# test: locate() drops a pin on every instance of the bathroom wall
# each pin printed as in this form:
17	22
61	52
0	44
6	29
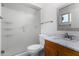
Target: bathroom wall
0	28
22	30
50	14
75	15
41	5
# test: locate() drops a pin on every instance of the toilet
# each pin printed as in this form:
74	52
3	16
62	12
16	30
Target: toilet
34	49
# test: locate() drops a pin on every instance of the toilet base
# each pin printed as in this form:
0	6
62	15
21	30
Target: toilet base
31	53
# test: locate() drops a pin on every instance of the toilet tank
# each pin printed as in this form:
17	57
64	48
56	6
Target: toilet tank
42	39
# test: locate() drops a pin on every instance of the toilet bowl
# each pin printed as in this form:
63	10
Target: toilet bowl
34	49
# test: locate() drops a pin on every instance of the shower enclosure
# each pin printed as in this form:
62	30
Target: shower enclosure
20	27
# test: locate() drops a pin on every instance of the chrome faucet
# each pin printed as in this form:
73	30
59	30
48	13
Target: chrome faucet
68	36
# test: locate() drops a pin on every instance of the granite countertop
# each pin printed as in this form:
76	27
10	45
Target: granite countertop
73	44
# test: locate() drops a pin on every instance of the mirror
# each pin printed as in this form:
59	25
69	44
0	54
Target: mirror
68	17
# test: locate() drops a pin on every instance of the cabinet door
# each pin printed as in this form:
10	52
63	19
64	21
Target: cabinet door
50	51
50	48
67	52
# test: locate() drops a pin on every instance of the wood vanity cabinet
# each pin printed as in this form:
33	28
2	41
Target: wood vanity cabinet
48	49
54	49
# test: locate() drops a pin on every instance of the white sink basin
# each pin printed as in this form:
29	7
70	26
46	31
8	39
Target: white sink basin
73	40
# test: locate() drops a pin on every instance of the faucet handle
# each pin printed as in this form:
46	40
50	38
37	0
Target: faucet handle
71	37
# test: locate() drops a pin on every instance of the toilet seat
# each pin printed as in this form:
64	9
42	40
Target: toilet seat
35	47
33	50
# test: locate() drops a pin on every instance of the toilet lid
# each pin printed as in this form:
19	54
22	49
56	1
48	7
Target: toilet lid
34	47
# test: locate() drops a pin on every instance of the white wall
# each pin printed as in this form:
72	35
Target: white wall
0	28
41	5
18	37
50	13
75	18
